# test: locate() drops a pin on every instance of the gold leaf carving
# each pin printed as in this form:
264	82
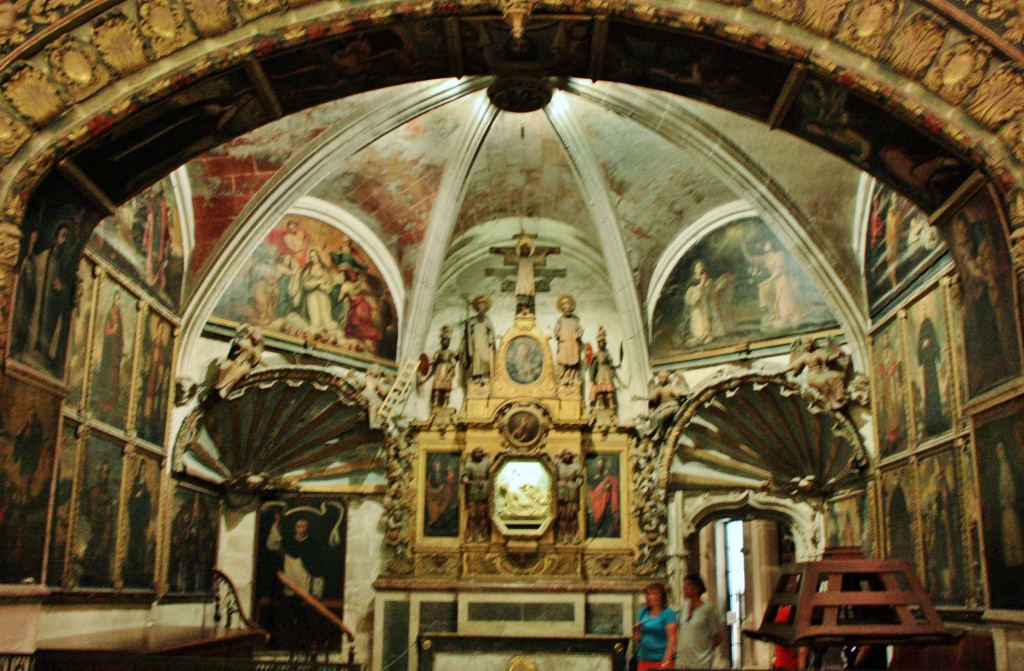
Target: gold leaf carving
10	245
33	95
120	43
163	23
868	23
13	134
14	27
914	44
609	565
1013	135
999	97
78	68
211	17
437	564
821	16
251	9
48	11
787	10
958	70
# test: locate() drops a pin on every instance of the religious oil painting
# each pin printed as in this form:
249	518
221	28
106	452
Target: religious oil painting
192	541
441	495
976	236
999	444
143	239
142	508
113	346
849	523
300	546
604	516
953	291
99	494
828	115
54	234
523	428
67	458
737	285
311	281
931	367
890	389
77	357
28	445
899	505
154	379
942	528
900	245
524	360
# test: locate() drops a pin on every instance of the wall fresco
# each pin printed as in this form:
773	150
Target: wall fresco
737	285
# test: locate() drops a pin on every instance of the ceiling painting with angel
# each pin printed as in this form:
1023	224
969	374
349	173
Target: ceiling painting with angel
738	284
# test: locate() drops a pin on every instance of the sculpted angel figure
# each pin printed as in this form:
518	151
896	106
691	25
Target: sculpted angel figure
665	394
245	353
826	369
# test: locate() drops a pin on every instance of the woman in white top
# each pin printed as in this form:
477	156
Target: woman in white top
700	628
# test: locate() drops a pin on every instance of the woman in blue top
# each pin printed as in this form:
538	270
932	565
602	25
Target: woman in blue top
655	630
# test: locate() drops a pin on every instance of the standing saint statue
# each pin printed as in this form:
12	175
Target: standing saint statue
526	256
478	343
442	368
569	336
476	473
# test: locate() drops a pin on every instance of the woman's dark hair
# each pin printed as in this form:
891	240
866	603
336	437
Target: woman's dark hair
660	589
697	582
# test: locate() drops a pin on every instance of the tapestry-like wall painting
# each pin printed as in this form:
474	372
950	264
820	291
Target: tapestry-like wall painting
28	444
95	535
999	438
142	508
839	121
899	513
890	389
81	318
737	285
309	280
931	367
849	523
67	459
604	514
113	346
54	234
192	542
976	235
154	391
304	538
143	240
441	495
942	529
900	245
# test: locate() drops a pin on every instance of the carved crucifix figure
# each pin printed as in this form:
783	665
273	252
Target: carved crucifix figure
526	256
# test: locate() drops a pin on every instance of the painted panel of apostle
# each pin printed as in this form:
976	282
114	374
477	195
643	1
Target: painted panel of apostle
192	543
143	240
441	495
942	529
310	280
113	348
95	532
900	503
890	395
999	440
604	513
739	284
142	508
28	443
931	367
67	454
900	245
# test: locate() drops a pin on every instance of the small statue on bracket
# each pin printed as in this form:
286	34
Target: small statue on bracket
569	337
477	351
475	476
602	369
244	354
567	493
666	393
441	367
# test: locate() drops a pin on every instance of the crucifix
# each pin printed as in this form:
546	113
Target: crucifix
527	256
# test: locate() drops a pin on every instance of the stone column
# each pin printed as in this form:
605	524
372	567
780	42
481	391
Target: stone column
10	246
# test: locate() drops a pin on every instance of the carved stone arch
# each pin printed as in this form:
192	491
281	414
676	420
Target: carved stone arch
802	518
305	423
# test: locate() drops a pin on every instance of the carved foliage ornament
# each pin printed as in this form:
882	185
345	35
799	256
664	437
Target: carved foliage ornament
787	10
211	17
32	94
915	43
163	24
13	134
119	41
1013	135
998	98
14	27
77	67
821	16
868	23
251	9
958	70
